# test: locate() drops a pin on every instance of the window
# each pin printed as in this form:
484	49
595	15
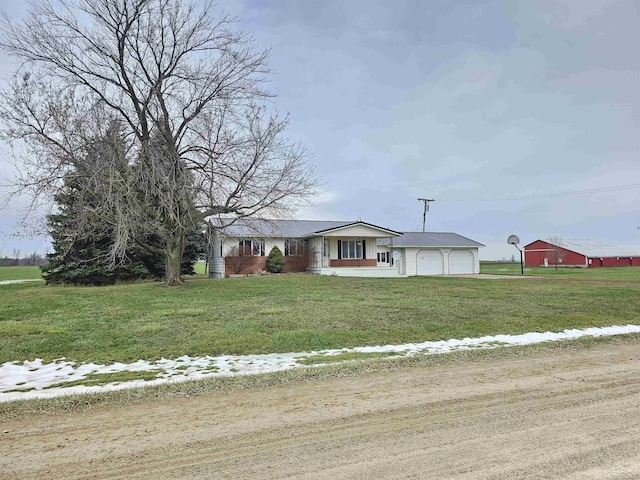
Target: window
293	247
351	249
251	247
383	257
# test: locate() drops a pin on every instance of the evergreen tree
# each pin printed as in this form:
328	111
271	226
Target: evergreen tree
275	261
81	250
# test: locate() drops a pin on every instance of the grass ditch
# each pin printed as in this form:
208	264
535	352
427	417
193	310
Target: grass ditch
137	396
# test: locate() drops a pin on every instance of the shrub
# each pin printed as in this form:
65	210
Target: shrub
275	261
239	259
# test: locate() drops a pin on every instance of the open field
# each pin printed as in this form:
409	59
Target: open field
199	267
520	413
608	273
20	273
290	313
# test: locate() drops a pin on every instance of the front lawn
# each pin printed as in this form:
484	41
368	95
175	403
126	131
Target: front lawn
290	313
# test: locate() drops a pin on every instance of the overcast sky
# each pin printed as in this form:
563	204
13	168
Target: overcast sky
516	117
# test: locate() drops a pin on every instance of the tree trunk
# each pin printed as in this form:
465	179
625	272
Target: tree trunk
172	256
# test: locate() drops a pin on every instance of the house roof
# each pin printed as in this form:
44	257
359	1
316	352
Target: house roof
594	249
383	230
430	239
272	228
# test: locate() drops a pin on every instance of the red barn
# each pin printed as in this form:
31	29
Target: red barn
579	253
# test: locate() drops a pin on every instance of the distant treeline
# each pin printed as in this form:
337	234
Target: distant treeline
35	259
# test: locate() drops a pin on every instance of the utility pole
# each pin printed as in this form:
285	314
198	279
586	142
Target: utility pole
426	202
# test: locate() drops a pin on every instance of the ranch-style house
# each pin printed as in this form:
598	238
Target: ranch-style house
344	248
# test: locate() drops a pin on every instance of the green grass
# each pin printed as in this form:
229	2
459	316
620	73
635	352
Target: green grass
289	313
199	267
599	274
104	378
20	273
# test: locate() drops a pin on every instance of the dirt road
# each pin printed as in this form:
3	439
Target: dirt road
574	414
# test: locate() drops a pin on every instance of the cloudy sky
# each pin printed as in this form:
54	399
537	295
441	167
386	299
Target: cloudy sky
516	117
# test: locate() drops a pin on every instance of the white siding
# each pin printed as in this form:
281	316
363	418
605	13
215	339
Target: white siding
357	231
269	243
409	260
227	245
371	248
333	248
410	257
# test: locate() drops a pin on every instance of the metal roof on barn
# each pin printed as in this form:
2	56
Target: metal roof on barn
594	249
430	239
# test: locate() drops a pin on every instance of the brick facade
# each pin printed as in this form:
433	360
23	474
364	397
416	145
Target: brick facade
292	264
354	262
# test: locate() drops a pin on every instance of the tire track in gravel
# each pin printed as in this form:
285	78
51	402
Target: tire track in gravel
570	415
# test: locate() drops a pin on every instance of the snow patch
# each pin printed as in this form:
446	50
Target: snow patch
33	379
12	282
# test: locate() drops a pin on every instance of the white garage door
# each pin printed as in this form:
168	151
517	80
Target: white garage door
461	261
429	262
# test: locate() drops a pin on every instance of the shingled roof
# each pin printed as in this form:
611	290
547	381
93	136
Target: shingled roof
430	239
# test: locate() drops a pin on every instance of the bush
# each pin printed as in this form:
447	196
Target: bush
240	259
275	261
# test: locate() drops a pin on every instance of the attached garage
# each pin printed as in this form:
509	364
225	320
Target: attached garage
433	253
429	262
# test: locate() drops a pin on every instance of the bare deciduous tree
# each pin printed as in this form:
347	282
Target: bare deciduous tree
556	251
186	92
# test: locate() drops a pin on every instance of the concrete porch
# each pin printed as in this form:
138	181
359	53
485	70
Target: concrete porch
371	272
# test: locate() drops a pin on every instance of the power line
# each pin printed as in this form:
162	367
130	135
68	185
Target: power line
549	194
